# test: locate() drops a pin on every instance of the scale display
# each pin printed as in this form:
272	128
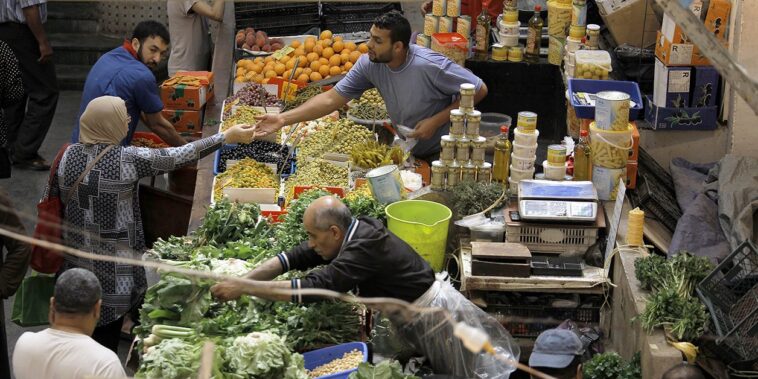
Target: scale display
557	210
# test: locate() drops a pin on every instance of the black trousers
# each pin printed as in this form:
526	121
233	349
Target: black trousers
109	335
29	120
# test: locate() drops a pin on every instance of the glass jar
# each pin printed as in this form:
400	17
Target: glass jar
593	37
457	123
473	120
468	172
516	54
478	150
484	173
468	91
453	174
447	154
438	175
462	150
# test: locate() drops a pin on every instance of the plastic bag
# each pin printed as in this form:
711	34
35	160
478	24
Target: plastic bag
431	334
403	140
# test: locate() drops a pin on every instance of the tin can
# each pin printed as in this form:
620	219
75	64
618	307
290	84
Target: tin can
439	7
438	175
468	172
556	154
431	24
612	110
510	4
606	181
527	121
462	150
484	173
579	13
473	121
516	54
555	50
463	26
453	8
499	52
457	123
446	25
453	174
593	37
478	150
577	31
423	40
447	154
468	91
385	184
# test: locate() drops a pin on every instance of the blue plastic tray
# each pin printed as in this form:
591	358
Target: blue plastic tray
323	356
595	86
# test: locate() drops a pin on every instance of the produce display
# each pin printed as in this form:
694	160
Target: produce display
316	58
303	94
316	172
611	366
264	355
591	71
369	111
247	173
253	95
383	370
371	96
243	114
260	151
473	197
361	202
250	39
349	361
334	136
373	154
147	142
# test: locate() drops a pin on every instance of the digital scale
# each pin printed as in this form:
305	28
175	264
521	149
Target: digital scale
548	200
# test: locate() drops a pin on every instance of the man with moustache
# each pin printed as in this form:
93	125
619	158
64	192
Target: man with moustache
126	72
419	86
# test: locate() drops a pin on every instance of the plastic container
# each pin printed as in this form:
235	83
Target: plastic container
553	239
323	356
489	127
452	45
593	64
513	186
554	172
595	86
558	18
488	233
510	16
610	148
524	150
606	181
522	163
386	184
523	138
508	28
423	225
424	40
555	49
573	45
509	41
520	175
499	52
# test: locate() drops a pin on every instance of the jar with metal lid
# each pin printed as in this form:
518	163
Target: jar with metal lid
516	54
463	150
453	174
438	175
457	123
484	172
468	91
468	172
593	37
478	150
447	154
473	120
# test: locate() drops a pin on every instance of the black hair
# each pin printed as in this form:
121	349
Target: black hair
568	372
76	291
151	28
397	24
683	371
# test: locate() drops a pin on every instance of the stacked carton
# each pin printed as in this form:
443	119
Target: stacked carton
184	97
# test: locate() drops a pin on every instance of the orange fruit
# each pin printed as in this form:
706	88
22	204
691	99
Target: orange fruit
315	76
338	46
268	59
323	61
240	71
303	62
324	70
239	79
326	34
315	65
309	45
307	71
363	48
318	49
354	56
286	75
335	70
348	66
258	78
270	74
290	64
298	71
335	60
258	60
327	42
250	75
350	45
295	44
300	52
312	57
279	68
285	59
311	39
258	68
344	57
265	81
338	38
303	78
328	52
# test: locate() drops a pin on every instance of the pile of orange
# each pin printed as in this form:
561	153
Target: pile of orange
316	59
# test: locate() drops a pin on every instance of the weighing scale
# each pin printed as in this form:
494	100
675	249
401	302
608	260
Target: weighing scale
548	200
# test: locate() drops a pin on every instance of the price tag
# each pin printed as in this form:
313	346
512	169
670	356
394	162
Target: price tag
289	90
281	53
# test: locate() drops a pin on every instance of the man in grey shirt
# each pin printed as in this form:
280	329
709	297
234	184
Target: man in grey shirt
190	41
419	86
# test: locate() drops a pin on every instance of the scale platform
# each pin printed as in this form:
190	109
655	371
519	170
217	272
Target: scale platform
545	200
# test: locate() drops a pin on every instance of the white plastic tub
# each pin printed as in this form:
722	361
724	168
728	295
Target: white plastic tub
524	150
526	139
522	163
554	172
520	175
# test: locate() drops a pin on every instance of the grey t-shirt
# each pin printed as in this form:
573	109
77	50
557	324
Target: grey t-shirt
425	85
190	42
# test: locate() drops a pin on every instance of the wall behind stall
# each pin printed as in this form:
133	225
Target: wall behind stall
743	122
695	146
118	18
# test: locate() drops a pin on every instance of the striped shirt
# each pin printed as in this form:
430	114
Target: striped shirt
13	10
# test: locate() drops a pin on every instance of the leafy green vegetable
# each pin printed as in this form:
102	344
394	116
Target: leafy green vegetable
175	299
633	370
469	198
603	366
362	203
683	316
383	370
265	356
683	271
291	232
227	221
171	359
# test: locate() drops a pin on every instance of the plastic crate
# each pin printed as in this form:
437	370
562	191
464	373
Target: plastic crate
595	86
149	136
731	294
530	321
323	356
552	239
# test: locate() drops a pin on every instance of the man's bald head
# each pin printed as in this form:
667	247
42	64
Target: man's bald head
327	211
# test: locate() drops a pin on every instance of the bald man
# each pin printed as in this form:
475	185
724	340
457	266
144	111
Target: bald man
360	254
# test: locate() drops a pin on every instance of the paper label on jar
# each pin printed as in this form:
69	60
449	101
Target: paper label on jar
531	41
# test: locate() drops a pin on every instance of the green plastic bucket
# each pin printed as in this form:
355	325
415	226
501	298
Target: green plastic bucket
423	225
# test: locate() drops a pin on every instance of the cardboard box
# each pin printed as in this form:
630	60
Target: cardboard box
185	121
186	96
717	18
672	86
635	142
678	54
705	87
206	77
631	174
672	31
662	118
630	21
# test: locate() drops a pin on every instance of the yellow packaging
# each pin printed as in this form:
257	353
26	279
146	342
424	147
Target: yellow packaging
423	40
516	54
510	16
453	8
577	31
608	148
558	18
555	50
446	25
499	52
439	7
431	24
463	26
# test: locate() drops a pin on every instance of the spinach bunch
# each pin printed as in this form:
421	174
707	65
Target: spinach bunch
383	370
469	198
611	366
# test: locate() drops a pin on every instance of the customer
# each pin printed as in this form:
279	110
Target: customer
21	27
557	353
419	86
65	349
11	92
188	24
683	371
126	72
12	270
103	213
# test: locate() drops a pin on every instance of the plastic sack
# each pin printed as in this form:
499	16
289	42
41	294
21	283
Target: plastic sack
403	140
431	334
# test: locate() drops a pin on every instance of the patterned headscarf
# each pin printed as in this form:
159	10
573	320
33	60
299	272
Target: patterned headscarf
104	121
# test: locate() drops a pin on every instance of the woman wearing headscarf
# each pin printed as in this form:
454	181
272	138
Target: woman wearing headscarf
102	214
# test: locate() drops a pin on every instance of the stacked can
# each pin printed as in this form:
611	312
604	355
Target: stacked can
445	18
576	33
559	15
524	149
610	142
554	166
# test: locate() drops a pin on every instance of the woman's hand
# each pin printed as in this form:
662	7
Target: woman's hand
240	133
